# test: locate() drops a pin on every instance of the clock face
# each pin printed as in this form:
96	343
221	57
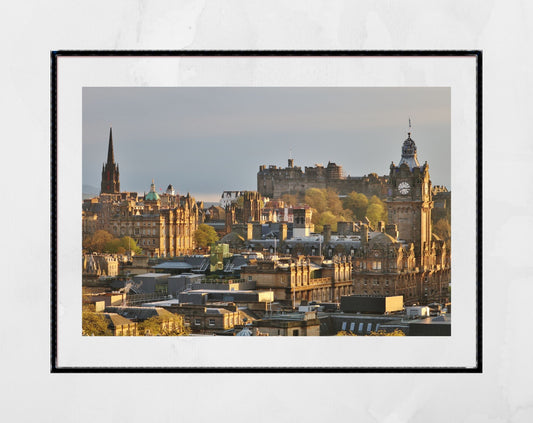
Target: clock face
404	188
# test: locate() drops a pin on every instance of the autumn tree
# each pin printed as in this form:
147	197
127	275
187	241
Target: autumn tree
120	246
381	332
205	235
97	241
164	326
94	324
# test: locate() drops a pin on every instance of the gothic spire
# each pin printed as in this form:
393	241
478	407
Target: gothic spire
110	154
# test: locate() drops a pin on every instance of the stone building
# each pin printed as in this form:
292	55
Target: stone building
120	326
161	225
406	258
95	265
294	280
274	182
292	324
158	231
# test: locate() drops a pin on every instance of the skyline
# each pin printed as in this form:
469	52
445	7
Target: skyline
164	133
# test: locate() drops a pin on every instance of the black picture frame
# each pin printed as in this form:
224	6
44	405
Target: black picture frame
247	53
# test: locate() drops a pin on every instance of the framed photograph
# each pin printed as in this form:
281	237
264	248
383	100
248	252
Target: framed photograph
266	211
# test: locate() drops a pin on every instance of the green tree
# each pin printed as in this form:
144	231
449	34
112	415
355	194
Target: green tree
120	246
334	204
94	324
97	241
129	244
316	199
357	203
163	326
205	235
328	218
114	247
376	212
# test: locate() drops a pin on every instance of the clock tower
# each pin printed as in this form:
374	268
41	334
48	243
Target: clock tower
409	202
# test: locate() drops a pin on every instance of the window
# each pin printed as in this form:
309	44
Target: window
343	327
352	326
249	278
197	322
369	327
360	329
211	322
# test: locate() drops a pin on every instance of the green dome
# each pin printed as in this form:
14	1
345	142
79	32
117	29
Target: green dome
152	195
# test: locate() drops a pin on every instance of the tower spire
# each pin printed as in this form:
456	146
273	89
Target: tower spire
110	153
110	176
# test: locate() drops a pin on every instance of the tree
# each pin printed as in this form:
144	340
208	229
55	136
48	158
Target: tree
381	332
129	244
376	212
94	324
97	241
328	218
357	203
205	235
164	326
334	204
120	246
114	247
316	199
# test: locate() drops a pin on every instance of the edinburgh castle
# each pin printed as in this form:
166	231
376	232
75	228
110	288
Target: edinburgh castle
274	182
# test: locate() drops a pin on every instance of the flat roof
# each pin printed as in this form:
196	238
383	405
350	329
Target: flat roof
152	275
173	265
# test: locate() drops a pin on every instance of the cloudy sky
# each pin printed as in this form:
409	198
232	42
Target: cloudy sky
207	140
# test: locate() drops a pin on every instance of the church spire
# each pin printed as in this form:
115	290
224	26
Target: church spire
110	176
110	153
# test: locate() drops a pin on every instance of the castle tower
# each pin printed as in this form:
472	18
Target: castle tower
409	202
110	176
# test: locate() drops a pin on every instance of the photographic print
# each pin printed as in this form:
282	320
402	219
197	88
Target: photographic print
311	197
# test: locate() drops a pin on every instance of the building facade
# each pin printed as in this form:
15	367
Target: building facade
273	181
158	231
294	280
405	258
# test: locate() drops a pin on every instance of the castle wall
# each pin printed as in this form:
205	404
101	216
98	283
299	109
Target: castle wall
274	182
